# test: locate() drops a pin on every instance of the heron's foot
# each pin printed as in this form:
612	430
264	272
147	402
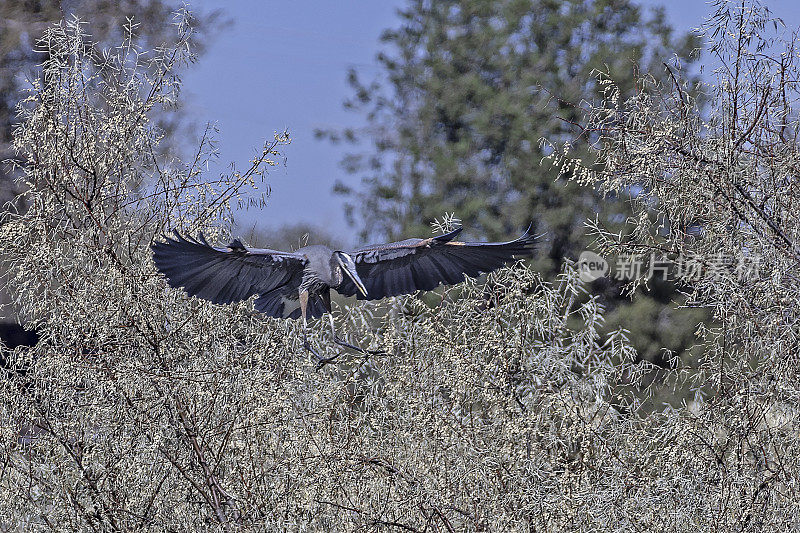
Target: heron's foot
342	342
322	361
311	349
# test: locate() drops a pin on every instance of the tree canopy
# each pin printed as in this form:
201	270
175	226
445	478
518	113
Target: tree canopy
22	24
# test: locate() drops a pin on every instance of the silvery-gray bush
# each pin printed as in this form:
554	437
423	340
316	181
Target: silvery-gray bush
499	409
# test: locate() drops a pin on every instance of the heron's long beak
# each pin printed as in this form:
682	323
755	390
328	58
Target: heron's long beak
357	280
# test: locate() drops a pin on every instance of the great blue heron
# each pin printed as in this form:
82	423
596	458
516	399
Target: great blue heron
297	284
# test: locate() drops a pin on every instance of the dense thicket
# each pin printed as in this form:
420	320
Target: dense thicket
22	23
503	408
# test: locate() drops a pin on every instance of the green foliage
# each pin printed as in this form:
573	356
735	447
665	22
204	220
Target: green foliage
661	331
720	187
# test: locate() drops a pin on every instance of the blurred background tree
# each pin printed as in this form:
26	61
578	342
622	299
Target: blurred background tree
468	90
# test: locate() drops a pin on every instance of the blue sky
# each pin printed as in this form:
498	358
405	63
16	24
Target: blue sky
282	65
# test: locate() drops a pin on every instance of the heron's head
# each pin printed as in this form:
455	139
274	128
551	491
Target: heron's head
349	267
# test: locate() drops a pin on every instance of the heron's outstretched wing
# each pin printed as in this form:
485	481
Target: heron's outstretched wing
422	264
225	275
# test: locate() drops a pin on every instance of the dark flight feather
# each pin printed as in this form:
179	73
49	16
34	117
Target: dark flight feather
422	264
226	275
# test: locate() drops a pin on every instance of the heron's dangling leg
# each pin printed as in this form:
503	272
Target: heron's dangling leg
324	361
364	351
326	300
341	342
303	309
